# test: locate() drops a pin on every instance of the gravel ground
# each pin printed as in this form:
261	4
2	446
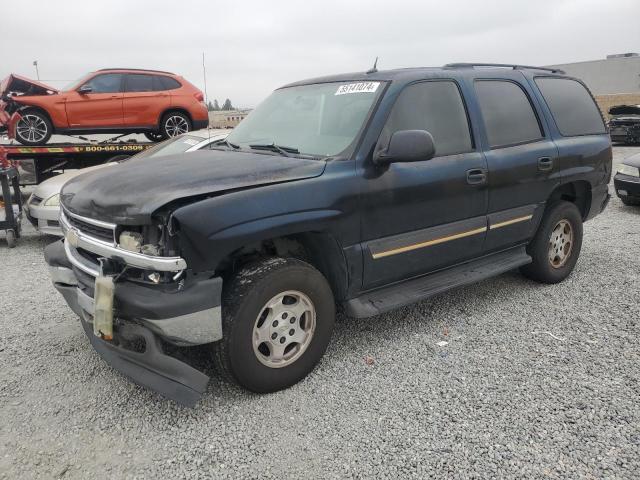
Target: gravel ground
532	381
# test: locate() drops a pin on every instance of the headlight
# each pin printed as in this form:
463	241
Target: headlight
131	241
628	170
54	200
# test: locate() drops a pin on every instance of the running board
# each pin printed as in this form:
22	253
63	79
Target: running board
410	291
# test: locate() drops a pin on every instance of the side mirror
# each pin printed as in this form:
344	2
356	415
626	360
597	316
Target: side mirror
407	146
84	89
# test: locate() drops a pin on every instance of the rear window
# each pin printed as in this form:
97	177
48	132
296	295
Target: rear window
573	109
507	113
165	83
139	83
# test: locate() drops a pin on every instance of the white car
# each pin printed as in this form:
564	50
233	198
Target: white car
43	207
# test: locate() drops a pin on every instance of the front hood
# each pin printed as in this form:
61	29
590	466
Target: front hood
633	160
54	185
625	110
16	84
128	193
625	118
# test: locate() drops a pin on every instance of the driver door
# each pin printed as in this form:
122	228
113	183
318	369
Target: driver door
426	215
101	107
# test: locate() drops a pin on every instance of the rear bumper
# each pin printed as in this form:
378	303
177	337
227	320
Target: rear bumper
627	186
600	197
200	124
146	316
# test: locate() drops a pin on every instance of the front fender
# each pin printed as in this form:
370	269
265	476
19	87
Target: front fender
211	229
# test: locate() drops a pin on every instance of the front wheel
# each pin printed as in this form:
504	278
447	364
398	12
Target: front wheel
34	128
174	124
556	245
278	316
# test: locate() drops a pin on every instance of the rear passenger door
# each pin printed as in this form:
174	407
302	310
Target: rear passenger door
521	158
144	100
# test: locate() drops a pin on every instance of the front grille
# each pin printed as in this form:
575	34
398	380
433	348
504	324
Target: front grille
94	231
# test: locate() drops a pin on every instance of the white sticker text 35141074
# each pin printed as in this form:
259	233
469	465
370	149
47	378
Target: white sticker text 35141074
361	87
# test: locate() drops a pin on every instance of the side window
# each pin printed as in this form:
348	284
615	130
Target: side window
107	83
139	83
437	107
572	107
165	83
507	113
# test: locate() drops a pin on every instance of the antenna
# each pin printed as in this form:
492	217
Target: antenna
206	97
373	69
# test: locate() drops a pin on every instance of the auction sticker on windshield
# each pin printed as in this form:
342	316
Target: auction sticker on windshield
361	87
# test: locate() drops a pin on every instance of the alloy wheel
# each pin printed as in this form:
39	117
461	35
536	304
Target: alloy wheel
560	244
284	329
176	125
32	128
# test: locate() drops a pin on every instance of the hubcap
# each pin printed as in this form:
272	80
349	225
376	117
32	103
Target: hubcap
31	128
176	125
284	329
560	244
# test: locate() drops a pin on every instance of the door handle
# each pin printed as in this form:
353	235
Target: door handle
545	164
476	176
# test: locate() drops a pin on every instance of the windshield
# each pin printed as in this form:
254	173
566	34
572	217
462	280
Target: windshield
171	146
75	83
321	119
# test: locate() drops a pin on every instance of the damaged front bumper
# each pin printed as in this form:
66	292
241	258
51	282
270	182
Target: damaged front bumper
145	316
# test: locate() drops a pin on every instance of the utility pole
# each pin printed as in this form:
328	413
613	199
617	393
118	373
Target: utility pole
35	64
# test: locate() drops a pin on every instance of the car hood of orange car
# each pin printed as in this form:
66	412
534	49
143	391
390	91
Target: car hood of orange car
24	86
130	192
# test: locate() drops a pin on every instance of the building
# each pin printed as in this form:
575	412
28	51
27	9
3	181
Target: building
227	118
614	80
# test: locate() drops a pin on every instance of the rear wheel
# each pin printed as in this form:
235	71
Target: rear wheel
556	245
34	128
174	124
278	317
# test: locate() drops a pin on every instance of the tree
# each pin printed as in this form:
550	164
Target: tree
227	105
210	106
216	105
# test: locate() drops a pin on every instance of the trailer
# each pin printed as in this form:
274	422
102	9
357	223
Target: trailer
36	164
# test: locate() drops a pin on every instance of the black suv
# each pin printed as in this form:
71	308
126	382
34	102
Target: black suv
366	190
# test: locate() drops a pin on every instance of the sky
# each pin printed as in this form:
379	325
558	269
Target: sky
252	47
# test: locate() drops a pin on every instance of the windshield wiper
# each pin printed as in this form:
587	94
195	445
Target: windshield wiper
224	142
281	149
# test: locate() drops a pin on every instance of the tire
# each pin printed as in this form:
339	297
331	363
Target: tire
174	124
556	246
11	238
34	128
154	136
249	362
631	202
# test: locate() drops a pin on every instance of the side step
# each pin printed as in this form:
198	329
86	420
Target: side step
410	291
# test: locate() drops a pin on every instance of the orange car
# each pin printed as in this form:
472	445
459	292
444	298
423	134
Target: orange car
114	100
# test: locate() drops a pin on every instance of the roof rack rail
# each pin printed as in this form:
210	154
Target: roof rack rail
504	65
136	70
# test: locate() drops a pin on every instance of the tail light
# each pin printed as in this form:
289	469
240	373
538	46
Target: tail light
199	96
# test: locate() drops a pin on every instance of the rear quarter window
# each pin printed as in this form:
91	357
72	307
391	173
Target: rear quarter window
571	105
165	83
